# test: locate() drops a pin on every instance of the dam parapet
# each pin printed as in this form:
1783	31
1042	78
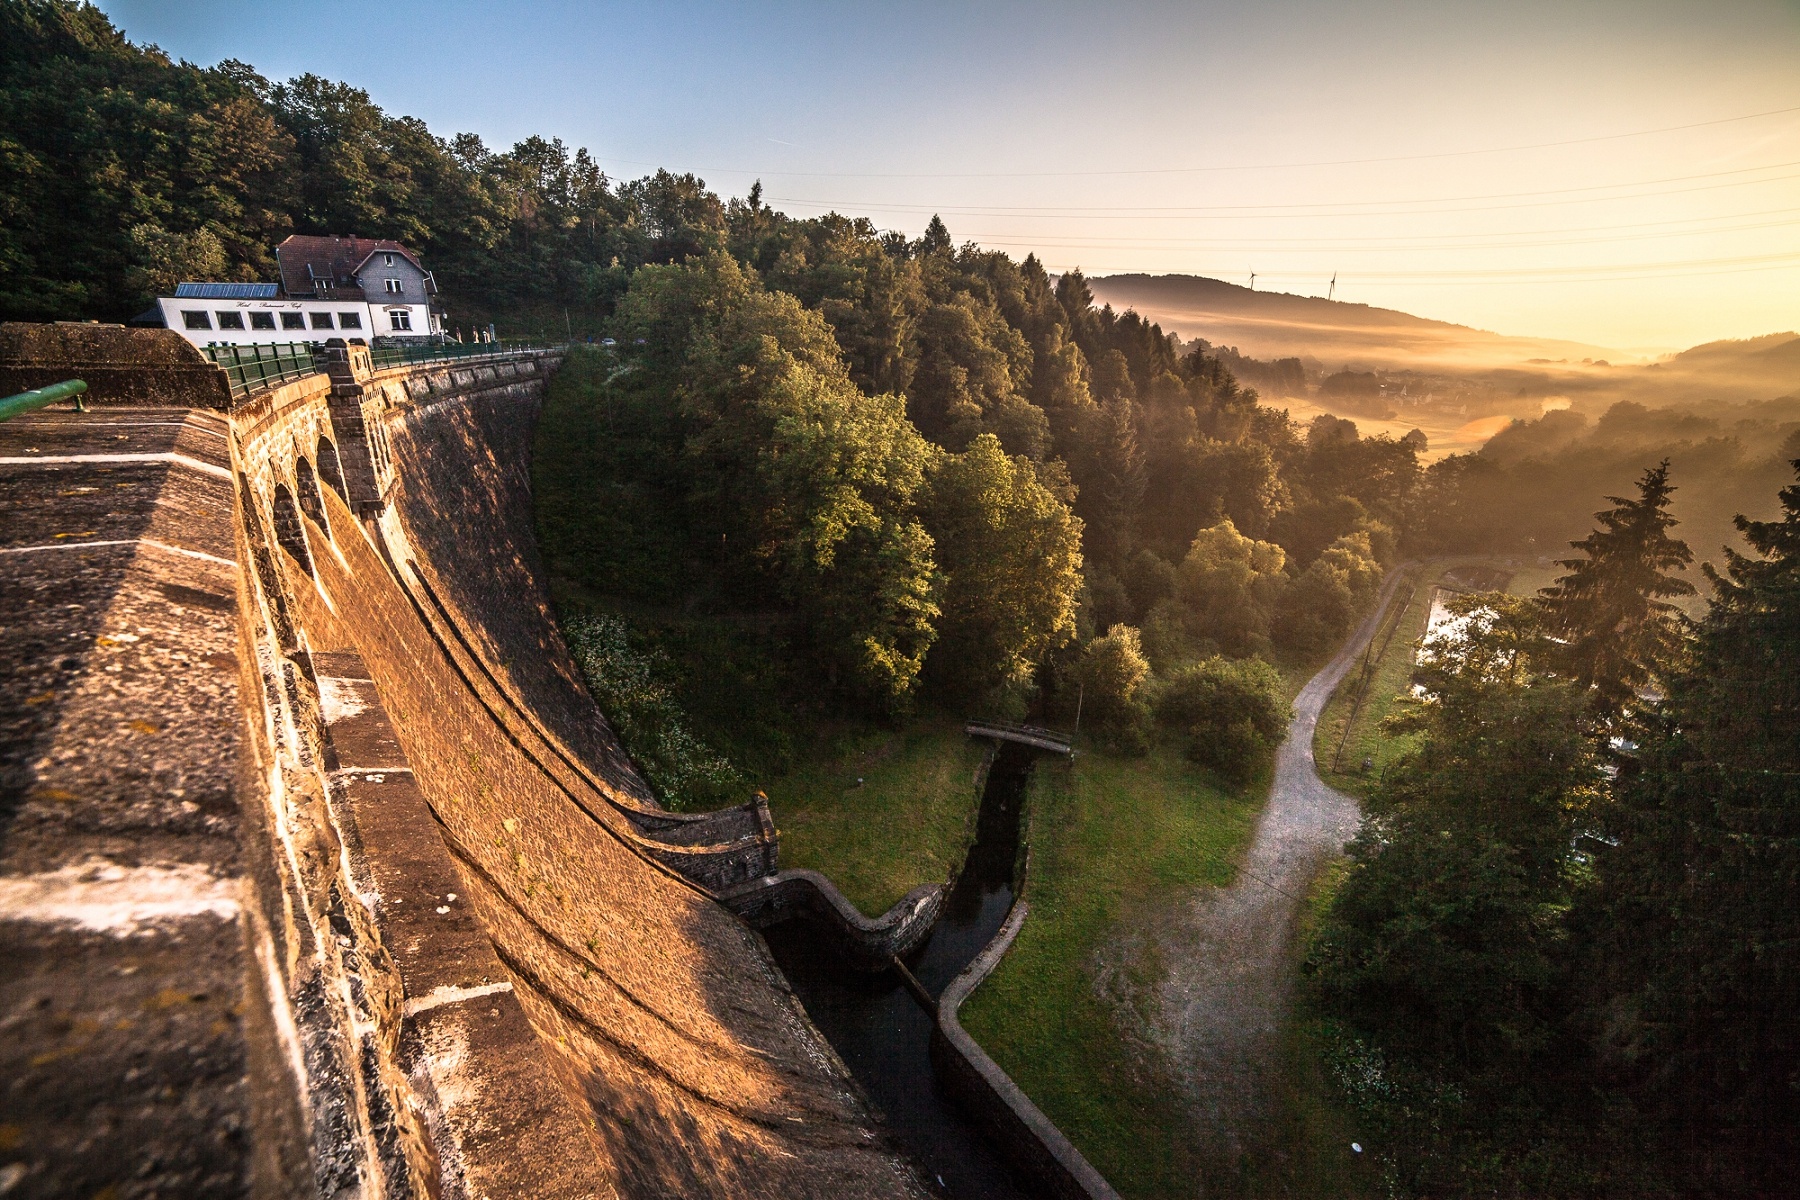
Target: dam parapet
319	871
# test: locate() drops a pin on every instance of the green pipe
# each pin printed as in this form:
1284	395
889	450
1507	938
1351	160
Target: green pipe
25	402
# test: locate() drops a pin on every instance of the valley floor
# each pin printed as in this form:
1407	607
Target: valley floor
881	811
1072	1014
1351	746
1147	1006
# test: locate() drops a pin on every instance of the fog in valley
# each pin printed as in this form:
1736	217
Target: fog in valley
1131	600
1541	430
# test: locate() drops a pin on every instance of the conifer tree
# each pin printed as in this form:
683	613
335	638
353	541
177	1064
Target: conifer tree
936	238
1697	947
1744	688
1619	631
1109	471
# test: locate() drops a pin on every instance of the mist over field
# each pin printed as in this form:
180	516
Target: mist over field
1554	425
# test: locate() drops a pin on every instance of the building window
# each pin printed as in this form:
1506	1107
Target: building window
262	320
323	285
195	320
387	260
401	318
293	320
349	320
231	320
321	320
395	286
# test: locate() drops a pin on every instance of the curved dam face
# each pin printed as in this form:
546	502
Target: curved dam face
326	875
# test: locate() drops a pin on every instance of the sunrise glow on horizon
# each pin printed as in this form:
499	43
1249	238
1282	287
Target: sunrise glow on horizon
1621	175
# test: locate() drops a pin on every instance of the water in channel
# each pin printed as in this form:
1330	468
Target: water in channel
883	1035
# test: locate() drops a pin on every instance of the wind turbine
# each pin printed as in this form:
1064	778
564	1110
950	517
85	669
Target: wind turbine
1253	281
1329	294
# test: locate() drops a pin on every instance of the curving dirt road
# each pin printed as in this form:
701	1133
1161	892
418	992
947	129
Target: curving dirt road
1228	953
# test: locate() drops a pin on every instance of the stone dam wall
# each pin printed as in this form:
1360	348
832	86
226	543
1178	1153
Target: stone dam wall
319	872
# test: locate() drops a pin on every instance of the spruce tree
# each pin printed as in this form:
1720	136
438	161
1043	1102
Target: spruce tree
936	238
1744	688
1697	948
1619	631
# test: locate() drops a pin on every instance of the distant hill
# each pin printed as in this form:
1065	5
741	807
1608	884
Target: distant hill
1330	335
1774	355
1281	325
1760	368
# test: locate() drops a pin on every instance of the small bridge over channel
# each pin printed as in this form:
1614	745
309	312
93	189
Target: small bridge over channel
1025	735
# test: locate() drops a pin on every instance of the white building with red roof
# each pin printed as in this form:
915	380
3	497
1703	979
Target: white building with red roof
330	287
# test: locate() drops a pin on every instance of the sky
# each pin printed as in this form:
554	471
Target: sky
1623	174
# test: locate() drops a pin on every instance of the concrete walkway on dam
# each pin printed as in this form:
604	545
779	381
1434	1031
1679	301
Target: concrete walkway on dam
1229	951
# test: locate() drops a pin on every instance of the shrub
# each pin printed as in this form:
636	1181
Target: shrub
1112	670
1168	637
1113	667
630	686
1232	711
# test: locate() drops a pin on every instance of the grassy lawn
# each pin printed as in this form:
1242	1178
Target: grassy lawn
1369	691
1113	841
908	822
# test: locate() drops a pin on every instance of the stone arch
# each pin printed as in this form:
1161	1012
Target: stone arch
289	532
312	503
274	593
331	468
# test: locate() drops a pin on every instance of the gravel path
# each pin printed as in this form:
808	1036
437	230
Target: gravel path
1228	952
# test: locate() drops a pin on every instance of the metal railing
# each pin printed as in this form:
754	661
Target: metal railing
42	397
402	353
257	368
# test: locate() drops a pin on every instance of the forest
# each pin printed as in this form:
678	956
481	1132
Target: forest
878	473
1562	951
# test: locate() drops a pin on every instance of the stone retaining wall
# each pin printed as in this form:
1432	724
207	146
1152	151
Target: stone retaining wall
321	873
1029	1138
137	367
868	944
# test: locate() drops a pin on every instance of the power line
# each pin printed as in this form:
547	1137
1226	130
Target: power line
1789	262
1598	270
1279	210
1373	244
1608	227
1248	213
1337	162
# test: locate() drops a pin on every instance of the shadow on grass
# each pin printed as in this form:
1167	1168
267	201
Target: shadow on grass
1068	1013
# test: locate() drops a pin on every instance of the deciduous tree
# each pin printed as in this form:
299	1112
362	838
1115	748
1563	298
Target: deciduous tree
1011	554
